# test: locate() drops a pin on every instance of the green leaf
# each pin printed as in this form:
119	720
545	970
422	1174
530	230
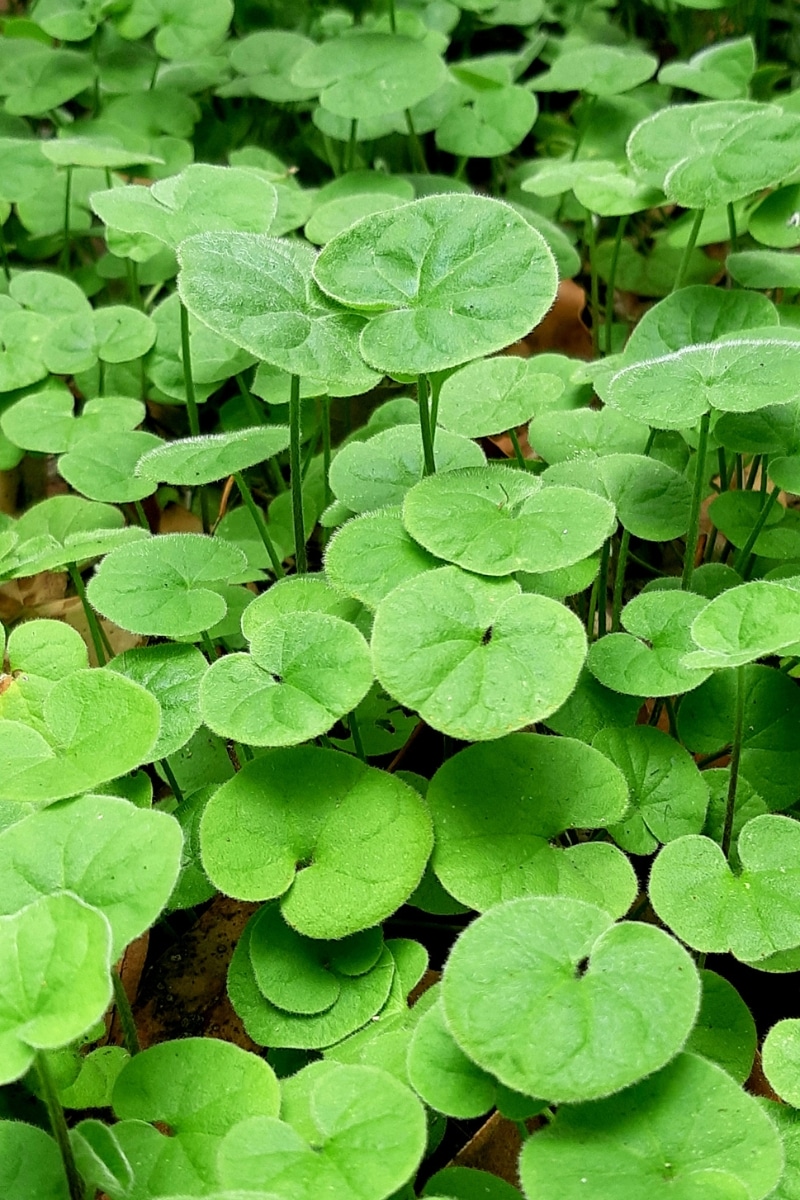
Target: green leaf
752	913
557	436
450	278
30	1164
490	124
46	421
214	358
494	394
371	554
599	70
725	1031
38	654
297	594
304	671
166	586
266	59
378	473
258	292
688	1132
93	1085
111	335
183	28
97	726
674	390
102	465
442	1075
506	521
551	1024
745	623
343	844
781	1060
702	154
720	72
172	674
773	221
474	657
468	1183
99	152
360	998
486	852
651	498
668	794
592	707
120	859
197	460
40	78
764	268
697	314
358	1132
362	74
199	199
649	659
55	956
735	513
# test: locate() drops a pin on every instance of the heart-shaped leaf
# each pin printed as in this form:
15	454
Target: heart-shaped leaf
557	436
30	1164
172	674
488	851
506	521
372	554
688	1132
598	70
101	465
343	844
114	334
720	72
494	394
55	956
751	913
552	1024
442	1075
651	498
475	657
649	660
45	421
451	278
166	586
745	623
120	859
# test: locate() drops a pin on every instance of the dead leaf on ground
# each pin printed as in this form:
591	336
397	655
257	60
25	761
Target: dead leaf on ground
496	1147
22	598
71	611
177	519
563	330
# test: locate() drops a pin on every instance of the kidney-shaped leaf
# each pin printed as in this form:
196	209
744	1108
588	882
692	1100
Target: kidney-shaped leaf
498	520
451	277
120	859
475	657
751	913
343	844
166	586
651	498
372	554
30	1164
192	461
55	956
557	1001
496	809
745	623
495	394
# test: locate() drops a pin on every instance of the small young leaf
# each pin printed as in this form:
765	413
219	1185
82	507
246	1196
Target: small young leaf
372	554
781	1060
193	461
494	394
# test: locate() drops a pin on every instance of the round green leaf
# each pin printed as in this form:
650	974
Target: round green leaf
266	59
304	671
688	1133
120	859
343	211
55	957
296	594
442	1075
199	199
486	851
773	222
649	659
557	436
258	292
694	315
725	1031
720	72
196	460
498	520
751	914
651	498
450	277
474	657
45	421
550	1022
102	465
378	473
780	1057
95	726
30	1164
490	124
166	586
343	844
113	335
360	997
675	390
172	674
372	554
361	1133
598	70
668	794
362	73
764	268
745	623
494	394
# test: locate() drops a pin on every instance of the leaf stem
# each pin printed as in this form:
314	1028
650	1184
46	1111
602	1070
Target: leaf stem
58	1124
171	780
125	1014
518	455
594	295
325	405
355	733
740	562
191	403
141	515
732	234
415	145
619	579
697	499
736	754
296	471
260	524
425	425
612	275
102	647
683	266
65	249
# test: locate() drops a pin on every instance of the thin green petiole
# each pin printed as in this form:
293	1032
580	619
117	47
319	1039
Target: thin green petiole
65	250
325	405
740	562
141	515
518	455
172	781
732	234
355	733
58	1124
612	275
125	1014
688	249
736	754
619	579
425	425
697	499
191	403
296	472
208	646
417	152
102	646
260	524
594	295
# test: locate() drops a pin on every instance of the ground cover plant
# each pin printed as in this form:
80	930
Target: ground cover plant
400	596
